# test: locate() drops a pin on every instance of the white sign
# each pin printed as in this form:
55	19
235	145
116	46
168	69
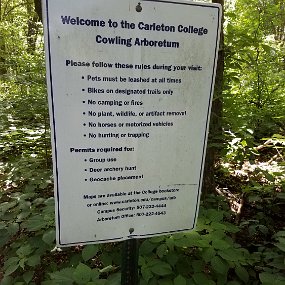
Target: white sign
130	87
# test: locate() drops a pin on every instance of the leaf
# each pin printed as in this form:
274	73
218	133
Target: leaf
24	250
4	237
242	273
208	253
161	268
220	244
147	247
11	268
198	265
157	239
4	207
214	215
219	265
161	250
180	280
49	237
172	258
7	280
146	273
10	261
13	228
281	246
271	279
95	274
202	279
165	281
183	242
28	276
82	274
89	251
230	254
114	279
35	223
64	275
34	260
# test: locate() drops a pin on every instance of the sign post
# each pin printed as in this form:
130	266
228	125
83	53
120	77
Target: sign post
129	269
130	87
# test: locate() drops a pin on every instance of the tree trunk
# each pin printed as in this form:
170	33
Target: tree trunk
38	9
32	26
215	128
3	68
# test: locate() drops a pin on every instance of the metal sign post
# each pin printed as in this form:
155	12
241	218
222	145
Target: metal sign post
130	255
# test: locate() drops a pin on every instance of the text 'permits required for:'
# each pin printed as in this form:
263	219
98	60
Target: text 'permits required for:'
130	87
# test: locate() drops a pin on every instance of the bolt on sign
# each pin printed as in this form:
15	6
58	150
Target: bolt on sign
130	86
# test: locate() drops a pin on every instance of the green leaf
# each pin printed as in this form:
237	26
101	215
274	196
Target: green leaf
13	228
242	273
208	253
7	280
4	237
10	261
147	247
214	215
180	280
161	250
146	273
202	279
11	268
34	260
82	274
4	207
24	250
198	265
157	239
165	281
98	282
22	262
89	251
281	246
161	268
49	237
219	265
272	279
95	274
64	275
28	276
114	279
230	254
220	244
172	258
35	223
202	243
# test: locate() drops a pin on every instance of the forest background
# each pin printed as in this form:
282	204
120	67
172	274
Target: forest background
240	236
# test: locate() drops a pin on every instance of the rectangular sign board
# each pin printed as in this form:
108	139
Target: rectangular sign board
130	87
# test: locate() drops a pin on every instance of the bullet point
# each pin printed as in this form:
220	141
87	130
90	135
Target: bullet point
83	102
84	125
84	113
83	89
82	77
84	135
85	169
85	179
85	159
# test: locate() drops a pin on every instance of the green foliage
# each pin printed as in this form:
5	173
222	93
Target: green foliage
254	71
